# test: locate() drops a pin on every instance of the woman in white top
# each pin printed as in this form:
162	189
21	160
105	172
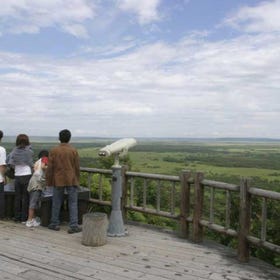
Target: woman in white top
2	177
21	158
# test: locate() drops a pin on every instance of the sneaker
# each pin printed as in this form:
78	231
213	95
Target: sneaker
74	230
36	223
32	223
53	227
29	223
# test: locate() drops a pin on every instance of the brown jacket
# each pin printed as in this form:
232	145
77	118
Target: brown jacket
63	166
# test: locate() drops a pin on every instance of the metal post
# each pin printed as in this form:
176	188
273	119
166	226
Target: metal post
116	225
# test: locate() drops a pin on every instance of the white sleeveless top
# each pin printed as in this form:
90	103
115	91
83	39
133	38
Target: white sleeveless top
22	170
2	161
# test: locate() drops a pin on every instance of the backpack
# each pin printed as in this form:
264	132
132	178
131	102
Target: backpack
10	171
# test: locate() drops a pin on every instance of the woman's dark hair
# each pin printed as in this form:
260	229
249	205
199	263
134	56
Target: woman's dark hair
64	136
43	153
1	134
22	141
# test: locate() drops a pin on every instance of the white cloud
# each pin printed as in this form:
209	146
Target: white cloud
30	16
76	30
146	10
186	88
75	17
191	87
263	17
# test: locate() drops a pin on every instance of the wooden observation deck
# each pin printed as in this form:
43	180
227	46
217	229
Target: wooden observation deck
146	254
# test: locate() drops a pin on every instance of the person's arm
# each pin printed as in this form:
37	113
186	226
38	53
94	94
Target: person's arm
77	166
50	171
3	158
2	171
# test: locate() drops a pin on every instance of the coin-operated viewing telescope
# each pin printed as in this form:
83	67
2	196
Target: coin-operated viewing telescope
118	148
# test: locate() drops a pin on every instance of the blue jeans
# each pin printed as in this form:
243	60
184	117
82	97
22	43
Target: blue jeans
2	201
57	200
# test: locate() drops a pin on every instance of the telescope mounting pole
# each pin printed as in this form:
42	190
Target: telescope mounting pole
116	225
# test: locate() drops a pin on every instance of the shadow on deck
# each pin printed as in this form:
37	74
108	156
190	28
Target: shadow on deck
144	254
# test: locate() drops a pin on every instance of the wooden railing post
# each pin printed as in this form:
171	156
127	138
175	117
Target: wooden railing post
184	204
124	192
198	208
244	221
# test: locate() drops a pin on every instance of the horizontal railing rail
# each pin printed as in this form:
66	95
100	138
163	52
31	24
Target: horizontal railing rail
190	200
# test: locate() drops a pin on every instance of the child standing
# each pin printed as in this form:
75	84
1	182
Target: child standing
36	184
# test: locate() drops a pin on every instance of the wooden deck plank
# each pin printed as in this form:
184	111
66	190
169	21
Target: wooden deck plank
24	269
8	276
122	254
141	264
143	254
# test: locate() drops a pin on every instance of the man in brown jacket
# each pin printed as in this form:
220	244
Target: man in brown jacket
63	173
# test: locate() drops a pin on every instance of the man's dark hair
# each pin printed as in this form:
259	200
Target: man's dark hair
64	136
1	134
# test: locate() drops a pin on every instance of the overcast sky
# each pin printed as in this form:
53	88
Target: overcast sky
149	68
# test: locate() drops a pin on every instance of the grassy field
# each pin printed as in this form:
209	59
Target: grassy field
240	158
158	163
218	160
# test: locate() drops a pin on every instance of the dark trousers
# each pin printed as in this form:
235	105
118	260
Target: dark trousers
21	197
2	201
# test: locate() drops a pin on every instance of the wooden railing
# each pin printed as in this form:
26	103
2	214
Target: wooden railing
192	201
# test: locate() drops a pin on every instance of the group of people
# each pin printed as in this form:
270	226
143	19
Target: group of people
58	168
